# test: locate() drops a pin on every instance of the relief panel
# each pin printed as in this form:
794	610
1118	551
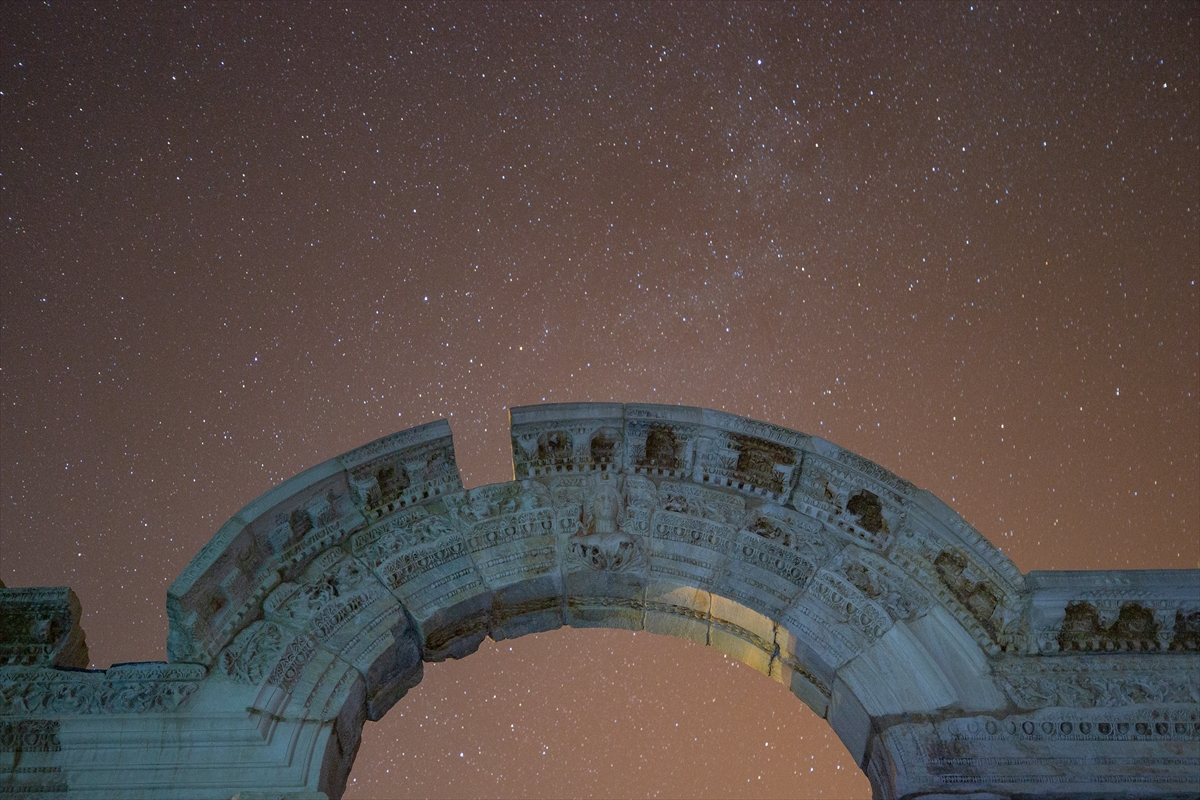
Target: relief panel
969	589
858	508
509	530
745	463
279	540
763	573
148	688
693	530
421	559
40	626
397	480
1087	681
660	448
603	556
573	437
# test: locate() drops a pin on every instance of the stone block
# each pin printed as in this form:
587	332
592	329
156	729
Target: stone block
596	599
679	611
742	633
661	441
849	720
566	439
750	584
604	578
531	606
509	531
1114	611
960	659
897	675
271	539
692	532
812	629
1085	753
805	685
315	688
40	627
403	469
431	577
456	631
391	677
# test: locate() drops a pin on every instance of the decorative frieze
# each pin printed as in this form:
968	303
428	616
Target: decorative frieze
941	666
29	736
1114	611
40	626
1085	681
123	689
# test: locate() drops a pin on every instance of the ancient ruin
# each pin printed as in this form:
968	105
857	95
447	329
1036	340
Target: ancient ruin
944	670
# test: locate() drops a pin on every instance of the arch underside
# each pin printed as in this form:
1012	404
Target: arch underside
941	667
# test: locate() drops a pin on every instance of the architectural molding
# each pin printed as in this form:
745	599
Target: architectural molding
943	668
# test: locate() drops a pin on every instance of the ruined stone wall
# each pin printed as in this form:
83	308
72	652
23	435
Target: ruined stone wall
943	669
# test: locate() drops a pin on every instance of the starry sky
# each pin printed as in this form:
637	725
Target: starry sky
236	240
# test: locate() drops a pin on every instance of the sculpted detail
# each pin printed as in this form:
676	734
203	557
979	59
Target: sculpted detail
942	668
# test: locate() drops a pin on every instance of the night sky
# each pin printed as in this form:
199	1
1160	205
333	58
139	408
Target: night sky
960	240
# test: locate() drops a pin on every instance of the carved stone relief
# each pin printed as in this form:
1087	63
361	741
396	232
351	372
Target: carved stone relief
603	539
29	736
1133	629
396	481
1186	632
41	626
880	582
251	655
876	604
124	689
855	506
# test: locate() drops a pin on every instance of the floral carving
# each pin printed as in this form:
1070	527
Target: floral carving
554	446
252	652
29	736
1087	690
612	553
759	462
148	688
875	587
663	448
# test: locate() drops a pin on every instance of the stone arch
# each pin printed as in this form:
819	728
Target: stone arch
865	596
941	667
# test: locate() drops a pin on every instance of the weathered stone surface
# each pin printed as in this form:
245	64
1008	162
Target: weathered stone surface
944	670
40	627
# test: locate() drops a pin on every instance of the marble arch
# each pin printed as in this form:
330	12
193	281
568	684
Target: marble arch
944	670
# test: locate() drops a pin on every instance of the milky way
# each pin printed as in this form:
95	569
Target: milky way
960	240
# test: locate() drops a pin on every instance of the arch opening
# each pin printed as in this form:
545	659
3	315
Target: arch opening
875	604
600	712
781	550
